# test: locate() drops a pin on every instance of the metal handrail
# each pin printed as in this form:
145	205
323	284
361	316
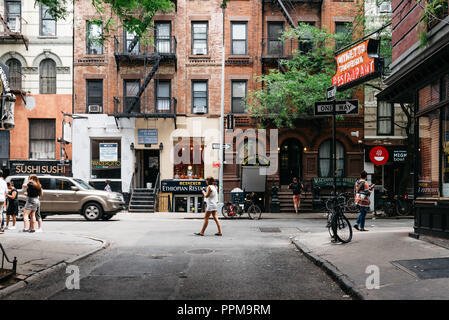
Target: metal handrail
156	192
4	255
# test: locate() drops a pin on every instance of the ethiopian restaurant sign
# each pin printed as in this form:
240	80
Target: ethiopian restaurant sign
358	64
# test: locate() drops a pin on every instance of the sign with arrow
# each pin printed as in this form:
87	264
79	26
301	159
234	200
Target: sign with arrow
225	146
342	107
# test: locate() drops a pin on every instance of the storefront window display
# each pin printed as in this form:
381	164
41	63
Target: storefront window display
105	159
429	154
189	163
445	151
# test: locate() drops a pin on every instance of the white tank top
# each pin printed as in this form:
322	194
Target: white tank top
212	199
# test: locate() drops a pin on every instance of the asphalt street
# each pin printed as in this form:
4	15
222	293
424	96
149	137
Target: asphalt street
158	257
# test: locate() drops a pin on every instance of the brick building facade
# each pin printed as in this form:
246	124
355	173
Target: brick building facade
179	109
420	77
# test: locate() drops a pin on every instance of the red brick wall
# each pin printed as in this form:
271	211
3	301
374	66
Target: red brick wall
405	19
48	106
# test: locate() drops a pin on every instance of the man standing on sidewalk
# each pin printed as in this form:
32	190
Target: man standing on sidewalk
362	192
3	191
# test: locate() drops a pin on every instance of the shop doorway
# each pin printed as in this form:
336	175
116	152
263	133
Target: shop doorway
188	203
290	161
147	168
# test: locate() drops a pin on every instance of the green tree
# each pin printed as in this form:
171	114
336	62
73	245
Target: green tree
291	92
135	15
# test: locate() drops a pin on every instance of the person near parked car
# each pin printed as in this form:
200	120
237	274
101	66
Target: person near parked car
34	191
38	214
107	187
13	206
3	192
297	188
211	196
362	192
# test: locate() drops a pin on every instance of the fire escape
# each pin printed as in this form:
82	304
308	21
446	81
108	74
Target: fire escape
147	56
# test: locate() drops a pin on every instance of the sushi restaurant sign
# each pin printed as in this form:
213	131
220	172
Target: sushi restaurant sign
40	167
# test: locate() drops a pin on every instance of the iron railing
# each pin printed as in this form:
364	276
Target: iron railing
162	106
5	257
276	48
164	46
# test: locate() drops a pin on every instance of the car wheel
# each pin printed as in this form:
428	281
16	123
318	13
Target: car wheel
20	211
92	211
106	217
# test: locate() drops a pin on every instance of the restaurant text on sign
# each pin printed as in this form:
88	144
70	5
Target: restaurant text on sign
357	64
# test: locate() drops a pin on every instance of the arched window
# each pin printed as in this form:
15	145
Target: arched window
47	70
325	159
15	73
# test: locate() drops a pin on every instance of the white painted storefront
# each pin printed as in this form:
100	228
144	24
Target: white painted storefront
102	126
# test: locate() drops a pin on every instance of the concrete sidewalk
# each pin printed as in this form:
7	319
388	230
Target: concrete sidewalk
37	253
383	247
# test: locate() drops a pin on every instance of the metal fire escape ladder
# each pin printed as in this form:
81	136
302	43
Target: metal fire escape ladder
145	84
286	14
16	35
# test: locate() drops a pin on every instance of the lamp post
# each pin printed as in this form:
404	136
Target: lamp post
220	153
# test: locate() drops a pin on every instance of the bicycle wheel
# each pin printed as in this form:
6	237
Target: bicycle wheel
403	207
228	211
329	224
341	227
351	206
254	212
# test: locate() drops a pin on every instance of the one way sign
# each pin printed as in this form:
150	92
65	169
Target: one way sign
342	107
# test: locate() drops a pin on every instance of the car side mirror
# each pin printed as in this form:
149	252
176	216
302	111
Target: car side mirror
74	188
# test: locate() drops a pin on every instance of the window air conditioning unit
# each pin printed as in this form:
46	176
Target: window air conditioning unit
385	7
95	108
199	51
199	109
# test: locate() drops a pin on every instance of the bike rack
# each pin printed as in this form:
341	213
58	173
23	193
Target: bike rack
14	263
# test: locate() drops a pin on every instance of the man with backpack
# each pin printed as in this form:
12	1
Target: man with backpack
362	192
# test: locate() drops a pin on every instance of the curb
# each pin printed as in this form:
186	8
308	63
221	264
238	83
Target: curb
340	278
35	277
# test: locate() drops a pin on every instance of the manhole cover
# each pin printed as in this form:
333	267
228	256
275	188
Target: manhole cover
426	268
270	230
200	251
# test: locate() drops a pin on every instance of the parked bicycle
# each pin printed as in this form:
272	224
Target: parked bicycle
338	225
393	205
237	209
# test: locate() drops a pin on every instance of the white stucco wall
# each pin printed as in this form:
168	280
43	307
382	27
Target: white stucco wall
102	126
59	48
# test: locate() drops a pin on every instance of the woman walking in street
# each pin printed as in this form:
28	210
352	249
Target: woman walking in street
13	206
297	187
362	192
34	191
210	194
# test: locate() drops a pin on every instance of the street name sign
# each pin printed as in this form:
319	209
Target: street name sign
342	107
217	146
331	92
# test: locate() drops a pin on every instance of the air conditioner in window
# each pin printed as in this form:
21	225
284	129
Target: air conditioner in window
199	51
14	25
199	109
95	108
385	7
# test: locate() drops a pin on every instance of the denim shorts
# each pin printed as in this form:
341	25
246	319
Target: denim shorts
32	204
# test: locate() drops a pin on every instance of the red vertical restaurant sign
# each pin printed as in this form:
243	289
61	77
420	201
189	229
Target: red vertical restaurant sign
358	64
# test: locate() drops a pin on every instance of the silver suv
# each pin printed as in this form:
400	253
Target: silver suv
67	195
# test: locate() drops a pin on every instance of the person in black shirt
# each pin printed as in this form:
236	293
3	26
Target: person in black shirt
13	206
297	187
34	191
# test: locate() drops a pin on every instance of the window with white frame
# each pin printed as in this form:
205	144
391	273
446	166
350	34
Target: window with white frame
384	118
48	22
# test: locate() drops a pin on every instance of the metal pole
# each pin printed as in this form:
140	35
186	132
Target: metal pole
220	152
334	147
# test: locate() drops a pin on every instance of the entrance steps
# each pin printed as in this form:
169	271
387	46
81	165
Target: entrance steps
286	201
142	200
